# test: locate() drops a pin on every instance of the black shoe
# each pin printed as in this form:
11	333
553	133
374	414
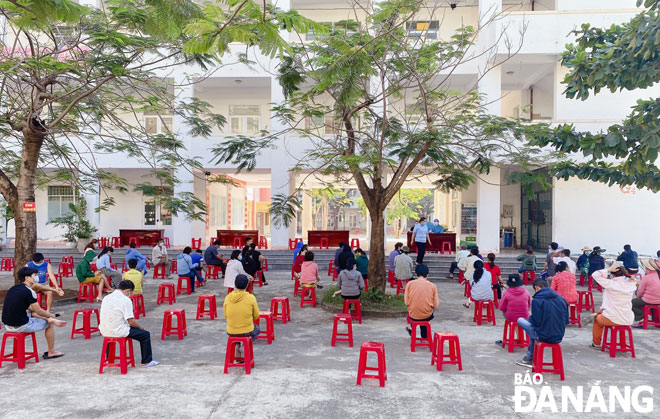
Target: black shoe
525	362
319	286
498	342
265	283
409	330
57	314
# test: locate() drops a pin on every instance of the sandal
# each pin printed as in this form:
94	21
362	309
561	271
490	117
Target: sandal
46	356
466	305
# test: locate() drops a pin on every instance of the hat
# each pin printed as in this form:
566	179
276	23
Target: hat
587	249
514	281
650	264
598	249
405	249
436	221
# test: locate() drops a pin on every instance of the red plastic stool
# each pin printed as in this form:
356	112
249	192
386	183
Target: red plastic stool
104	242
446	247
138	305
58	280
575	315
379	349
355	243
196	243
342	337
557	363
159	272
495	298
213	272
335	274
64	270
237	243
115	242
231	360
438	355
581	279
324	243
166	242
173	268
86	330
109	355
166	293
296	288
285	314
586	301
479	316
258	278
366	284
461	276
86	292
264	265
529	277
180	329
357	309
7	264
307	292
263	242
467	292
652	310
269	332
18	353
202	311
591	286
124	267
401	286
180	286
391	278
514	336
420	341
617	340
134	240
332	262
41	300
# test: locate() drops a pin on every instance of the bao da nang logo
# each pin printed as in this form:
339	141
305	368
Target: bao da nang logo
532	395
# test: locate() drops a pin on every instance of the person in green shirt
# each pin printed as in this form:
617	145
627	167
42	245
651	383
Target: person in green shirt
362	262
85	275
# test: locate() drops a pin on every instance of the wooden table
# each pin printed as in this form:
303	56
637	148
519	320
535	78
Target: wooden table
146	237
333	236
437	240
226	237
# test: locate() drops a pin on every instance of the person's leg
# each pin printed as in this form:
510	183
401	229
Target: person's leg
144	338
99	285
198	275
452	269
49	300
255	332
421	250
423	332
600	322
191	280
529	329
638	308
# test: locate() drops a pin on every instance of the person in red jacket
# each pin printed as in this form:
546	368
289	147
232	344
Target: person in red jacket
515	302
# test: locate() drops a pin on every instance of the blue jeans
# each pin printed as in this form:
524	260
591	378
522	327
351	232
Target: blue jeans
531	332
253	334
192	275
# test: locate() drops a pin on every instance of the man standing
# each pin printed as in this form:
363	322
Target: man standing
117	321
548	320
459	260
159	256
213	258
22	314
394	253
421	297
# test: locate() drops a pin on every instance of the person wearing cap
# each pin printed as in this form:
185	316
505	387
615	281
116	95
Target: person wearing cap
159	255
350	281
648	291
403	265
582	263
629	259
516	301
421	297
616	309
241	311
564	283
596	261
213	258
435	227
421	237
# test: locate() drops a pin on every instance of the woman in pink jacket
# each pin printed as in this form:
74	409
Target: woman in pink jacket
564	283
516	301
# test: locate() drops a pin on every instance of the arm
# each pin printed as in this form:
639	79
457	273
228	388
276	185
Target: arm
133	323
361	282
40	312
504	302
412	239
537	314
53	281
436	300
642	288
620	258
600	276
255	310
520	258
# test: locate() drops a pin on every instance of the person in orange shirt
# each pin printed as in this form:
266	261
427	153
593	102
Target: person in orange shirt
421	297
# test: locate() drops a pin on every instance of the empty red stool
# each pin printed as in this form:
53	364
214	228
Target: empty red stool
591	286
330	267
335	274
586	301
479	315
41	300
355	243
263	242
557	364
159	272
653	311
285	313
357	309
308	292
342	337
614	339
180	330
401	286
7	264
325	243
87	329
379	349
514	336
202	311
166	293
575	315
138	305
64	270
420	341
109	354
86	292
446	247
259	278
173	268
213	272
237	243
104	242
438	355
268	332
246	361
183	284
196	243
115	242
58	280
18	353
467	291
264	265
391	278
529	277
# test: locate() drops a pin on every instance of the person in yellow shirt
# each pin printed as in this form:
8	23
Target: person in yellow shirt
134	276
241	311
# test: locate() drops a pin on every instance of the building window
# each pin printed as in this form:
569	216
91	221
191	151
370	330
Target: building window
218	210
244	119
423	29
155	209
237	215
469	219
59	198
157	124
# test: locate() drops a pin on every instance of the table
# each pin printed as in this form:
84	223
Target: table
226	237
437	239
146	237
333	236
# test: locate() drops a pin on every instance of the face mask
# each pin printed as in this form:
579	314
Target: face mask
436	224
588	253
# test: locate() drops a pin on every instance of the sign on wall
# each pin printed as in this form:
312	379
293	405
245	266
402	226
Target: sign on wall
29	207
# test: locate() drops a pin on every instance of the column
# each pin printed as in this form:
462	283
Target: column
488	211
307	222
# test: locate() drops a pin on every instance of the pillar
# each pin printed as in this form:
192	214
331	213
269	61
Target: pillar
307	222
488	211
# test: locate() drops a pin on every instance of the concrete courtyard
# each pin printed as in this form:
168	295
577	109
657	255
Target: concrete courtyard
301	376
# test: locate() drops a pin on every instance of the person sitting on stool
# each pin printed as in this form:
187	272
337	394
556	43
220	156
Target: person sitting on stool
421	297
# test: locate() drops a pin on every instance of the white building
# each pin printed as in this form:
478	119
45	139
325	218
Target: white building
573	213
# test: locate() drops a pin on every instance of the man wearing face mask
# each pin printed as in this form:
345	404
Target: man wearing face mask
583	262
436	227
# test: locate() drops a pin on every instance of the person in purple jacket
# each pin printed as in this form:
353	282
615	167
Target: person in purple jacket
515	302
394	253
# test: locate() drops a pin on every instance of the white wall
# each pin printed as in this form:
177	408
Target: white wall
128	211
221	97
596	4
590	213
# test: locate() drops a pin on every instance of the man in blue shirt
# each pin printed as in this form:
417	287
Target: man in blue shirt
629	259
213	258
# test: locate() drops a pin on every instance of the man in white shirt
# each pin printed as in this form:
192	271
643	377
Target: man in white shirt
565	256
159	255
467	264
461	255
117	321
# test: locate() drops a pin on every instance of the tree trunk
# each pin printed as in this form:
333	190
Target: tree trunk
377	273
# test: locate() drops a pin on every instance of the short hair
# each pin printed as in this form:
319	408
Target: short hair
567	252
234	254
37	257
658	254
422	270
309	256
25	273
422	219
187	250
342	244
198	251
554	246
561	266
131	245
241	282
541	283
216	243
530	249
626	247
132	263
158	240
474	250
399	245
253	245
248	239
360	251
463	246
126	284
